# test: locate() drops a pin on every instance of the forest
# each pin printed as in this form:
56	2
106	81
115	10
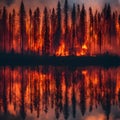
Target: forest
61	31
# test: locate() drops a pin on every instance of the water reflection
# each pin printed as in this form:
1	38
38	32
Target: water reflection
51	93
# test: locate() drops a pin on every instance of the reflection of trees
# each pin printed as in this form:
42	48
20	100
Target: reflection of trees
22	102
91	95
67	85
73	101
109	95
5	107
82	94
31	98
58	92
60	88
46	90
74	82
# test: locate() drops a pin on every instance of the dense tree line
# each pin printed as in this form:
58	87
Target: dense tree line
71	31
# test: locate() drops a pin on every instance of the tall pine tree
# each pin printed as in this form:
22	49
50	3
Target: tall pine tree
45	33
22	27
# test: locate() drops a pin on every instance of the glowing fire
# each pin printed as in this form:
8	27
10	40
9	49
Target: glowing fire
61	50
83	51
94	40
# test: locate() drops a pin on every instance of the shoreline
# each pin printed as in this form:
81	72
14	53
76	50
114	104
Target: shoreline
29	60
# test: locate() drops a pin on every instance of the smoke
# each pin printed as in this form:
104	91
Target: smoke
96	4
7	2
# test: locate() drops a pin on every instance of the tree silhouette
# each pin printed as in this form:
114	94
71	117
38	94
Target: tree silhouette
73	17
113	27
0	30
45	33
66	23
13	28
53	31
36	27
108	18
10	31
56	41
22	26
90	27
99	33
82	25
78	24
4	27
119	19
95	27
31	20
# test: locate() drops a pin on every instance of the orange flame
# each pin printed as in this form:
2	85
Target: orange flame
61	50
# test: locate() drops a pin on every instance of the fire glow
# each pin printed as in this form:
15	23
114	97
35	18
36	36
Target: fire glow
60	32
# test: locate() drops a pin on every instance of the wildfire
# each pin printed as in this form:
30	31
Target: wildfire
37	34
61	50
83	51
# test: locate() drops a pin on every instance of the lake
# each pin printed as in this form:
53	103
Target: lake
59	92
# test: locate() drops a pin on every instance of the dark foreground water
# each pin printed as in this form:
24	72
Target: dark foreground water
50	93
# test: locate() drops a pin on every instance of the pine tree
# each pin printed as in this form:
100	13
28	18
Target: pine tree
73	17
66	17
4	27
113	31
95	27
13	28
38	24
22	27
35	28
0	13
10	31
66	30
90	27
58	32
108	18
119	19
78	14
78	24
0	30
53	30
45	33
99	33
31	20
82	26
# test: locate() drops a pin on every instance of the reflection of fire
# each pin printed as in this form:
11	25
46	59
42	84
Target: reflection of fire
38	88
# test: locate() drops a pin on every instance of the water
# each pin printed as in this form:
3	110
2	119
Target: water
50	93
